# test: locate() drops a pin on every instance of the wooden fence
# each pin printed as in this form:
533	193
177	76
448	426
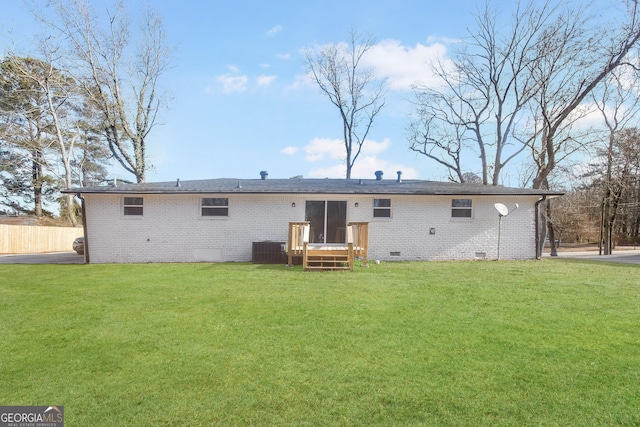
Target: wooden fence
25	239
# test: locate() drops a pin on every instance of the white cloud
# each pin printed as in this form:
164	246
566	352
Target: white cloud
588	115
234	82
265	80
303	81
441	39
372	147
365	167
321	148
332	151
274	30
335	171
231	83
283	56
290	150
404	66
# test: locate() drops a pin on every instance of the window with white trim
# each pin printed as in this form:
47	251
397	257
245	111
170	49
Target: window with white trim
461	208
382	208
133	206
214	206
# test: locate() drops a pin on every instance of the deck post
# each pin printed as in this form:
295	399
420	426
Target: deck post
350	246
305	247
294	241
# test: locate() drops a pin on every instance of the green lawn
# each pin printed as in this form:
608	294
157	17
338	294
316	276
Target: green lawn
551	342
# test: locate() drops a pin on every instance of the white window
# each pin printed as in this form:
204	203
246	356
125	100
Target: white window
461	208
215	206
133	206
382	208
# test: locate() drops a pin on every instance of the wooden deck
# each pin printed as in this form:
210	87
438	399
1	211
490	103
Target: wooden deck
329	256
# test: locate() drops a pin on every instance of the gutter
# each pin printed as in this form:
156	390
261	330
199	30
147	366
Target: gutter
537	213
245	191
84	227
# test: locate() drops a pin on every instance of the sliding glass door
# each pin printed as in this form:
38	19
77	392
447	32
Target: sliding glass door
327	220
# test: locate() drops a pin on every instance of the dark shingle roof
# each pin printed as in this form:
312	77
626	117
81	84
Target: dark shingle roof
309	186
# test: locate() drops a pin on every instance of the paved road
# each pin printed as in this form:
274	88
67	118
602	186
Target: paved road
627	256
48	258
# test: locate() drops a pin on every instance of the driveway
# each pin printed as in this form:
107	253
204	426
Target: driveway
48	258
626	256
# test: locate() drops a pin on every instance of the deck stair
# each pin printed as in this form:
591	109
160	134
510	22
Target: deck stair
329	256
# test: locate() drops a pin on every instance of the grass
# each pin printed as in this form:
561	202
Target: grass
551	342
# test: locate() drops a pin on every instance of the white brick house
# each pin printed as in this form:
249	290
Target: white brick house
218	220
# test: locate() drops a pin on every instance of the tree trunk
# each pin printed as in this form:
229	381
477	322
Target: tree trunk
606	224
71	212
37	183
349	165
552	234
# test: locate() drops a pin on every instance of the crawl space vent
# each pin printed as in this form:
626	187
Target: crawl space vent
394	253
481	255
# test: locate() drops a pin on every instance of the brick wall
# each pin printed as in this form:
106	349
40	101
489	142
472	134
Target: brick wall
423	229
172	230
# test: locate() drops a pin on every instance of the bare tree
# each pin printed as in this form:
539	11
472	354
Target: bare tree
128	97
487	85
351	87
60	90
577	214
619	104
522	89
575	60
435	135
611	191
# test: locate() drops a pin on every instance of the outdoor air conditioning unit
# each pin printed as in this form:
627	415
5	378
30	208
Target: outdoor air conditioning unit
268	252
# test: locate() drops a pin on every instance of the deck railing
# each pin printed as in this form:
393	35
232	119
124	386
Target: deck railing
331	256
295	240
360	240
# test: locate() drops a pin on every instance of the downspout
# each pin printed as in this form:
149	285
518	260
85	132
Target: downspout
84	228
538	248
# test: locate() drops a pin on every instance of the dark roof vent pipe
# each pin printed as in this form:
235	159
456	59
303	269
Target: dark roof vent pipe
399	176
178	183
379	175
264	175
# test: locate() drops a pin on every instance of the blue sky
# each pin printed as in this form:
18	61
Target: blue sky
240	102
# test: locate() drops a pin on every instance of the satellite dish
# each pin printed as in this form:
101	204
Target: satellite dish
502	209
